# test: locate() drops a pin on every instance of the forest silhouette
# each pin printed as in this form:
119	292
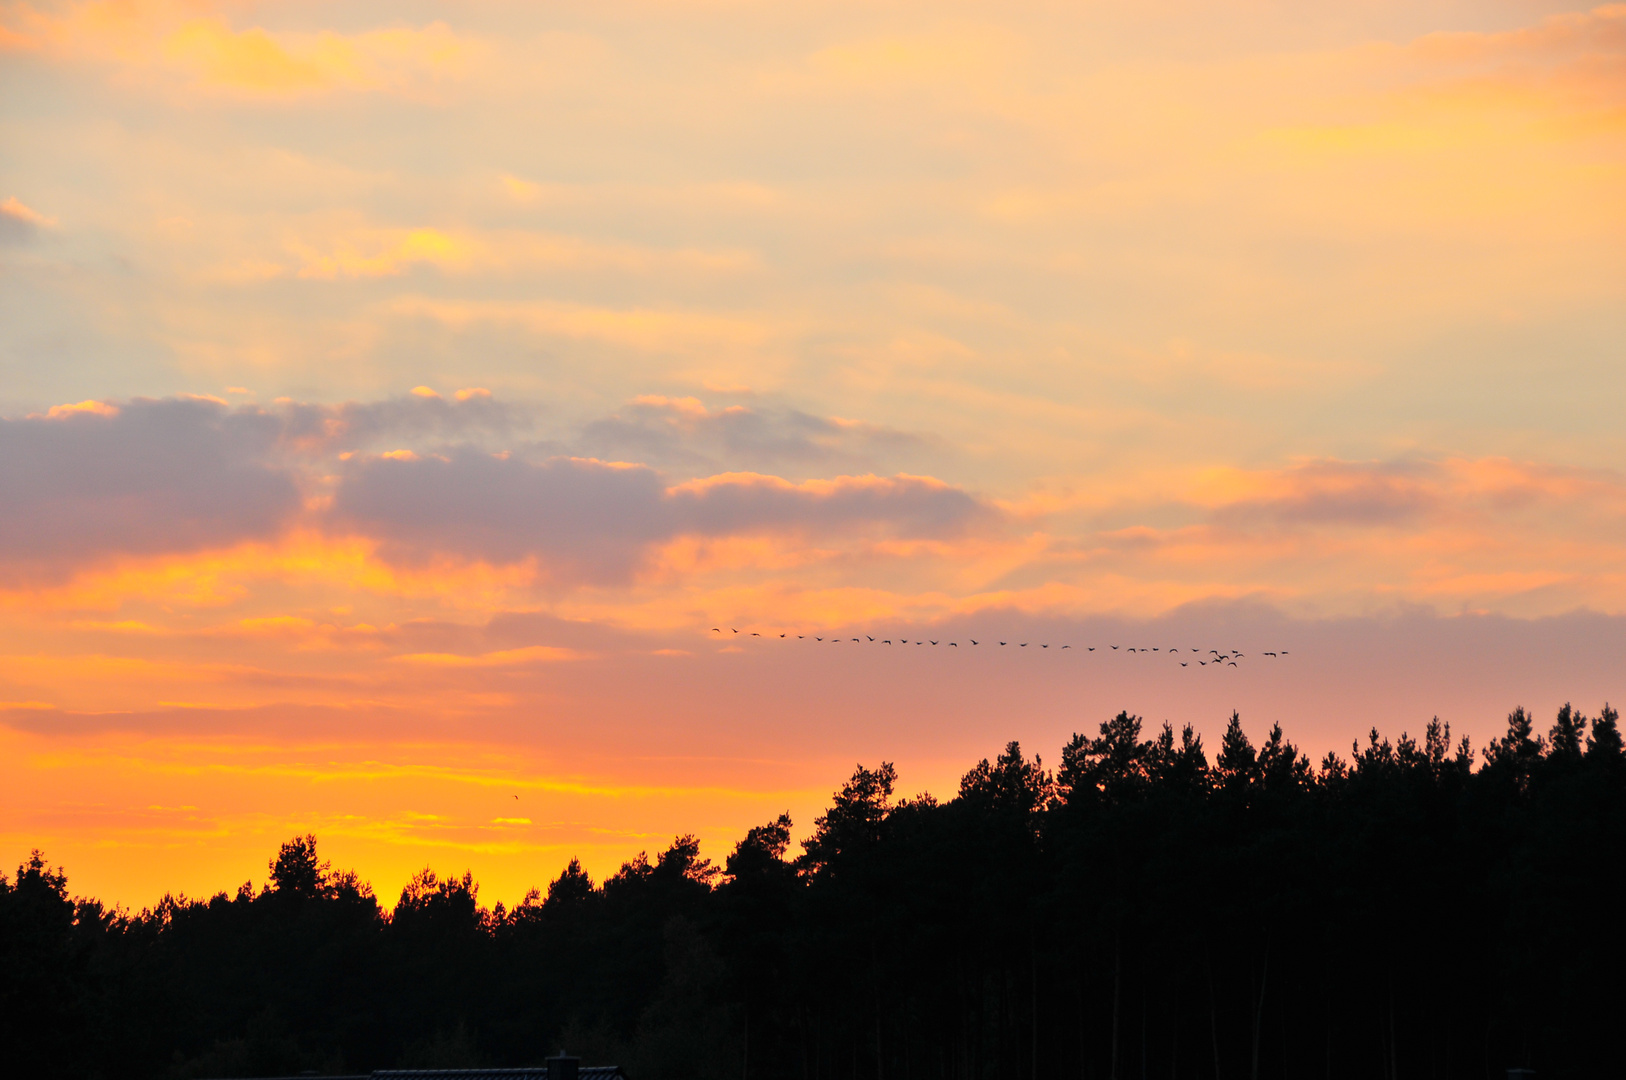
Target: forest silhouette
1143	910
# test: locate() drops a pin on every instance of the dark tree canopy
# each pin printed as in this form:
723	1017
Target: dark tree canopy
1145	910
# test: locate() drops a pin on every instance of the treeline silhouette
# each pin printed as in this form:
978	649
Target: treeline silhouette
1144	910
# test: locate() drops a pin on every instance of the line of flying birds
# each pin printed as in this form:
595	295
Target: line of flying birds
1214	657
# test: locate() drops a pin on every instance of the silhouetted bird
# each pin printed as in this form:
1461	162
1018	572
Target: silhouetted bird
818	639
1204	663
1183	664
872	639
973	641
1044	646
888	641
1067	646
860	642
755	634
781	635
1115	648
715	630
1270	654
1284	652
934	643
955	644
1002	643
1092	648
1233	663
731	628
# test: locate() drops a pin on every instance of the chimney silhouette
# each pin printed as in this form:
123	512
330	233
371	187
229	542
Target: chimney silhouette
563	1066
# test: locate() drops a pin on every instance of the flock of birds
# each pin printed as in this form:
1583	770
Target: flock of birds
1216	658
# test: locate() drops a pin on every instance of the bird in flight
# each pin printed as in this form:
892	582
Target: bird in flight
1024	644
934	643
973	641
516	796
1044	646
1067	646
1092	648
1270	654
1233	663
866	635
888	641
1115	649
1184	664
1002	643
955	644
715	630
818	639
755	634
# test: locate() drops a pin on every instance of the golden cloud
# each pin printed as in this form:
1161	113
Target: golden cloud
172	40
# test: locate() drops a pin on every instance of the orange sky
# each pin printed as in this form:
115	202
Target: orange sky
392	399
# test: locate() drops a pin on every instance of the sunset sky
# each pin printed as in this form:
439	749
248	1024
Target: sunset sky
393	397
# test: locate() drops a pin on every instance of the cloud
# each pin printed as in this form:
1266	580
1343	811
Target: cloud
89	481
1341	493
1415	494
20	224
469	415
599	519
174	41
684	433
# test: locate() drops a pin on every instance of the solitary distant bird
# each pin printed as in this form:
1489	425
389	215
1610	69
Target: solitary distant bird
934	643
1002	643
1131	648
755	634
1154	650
1284	652
1044	646
818	639
1184	664
781	635
888	641
516	796
715	630
1115	648
956	644
1204	663
973	641
800	637
1092	648
1067	646
866	635
860	642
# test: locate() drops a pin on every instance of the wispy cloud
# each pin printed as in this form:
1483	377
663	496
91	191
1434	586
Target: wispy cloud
201	50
